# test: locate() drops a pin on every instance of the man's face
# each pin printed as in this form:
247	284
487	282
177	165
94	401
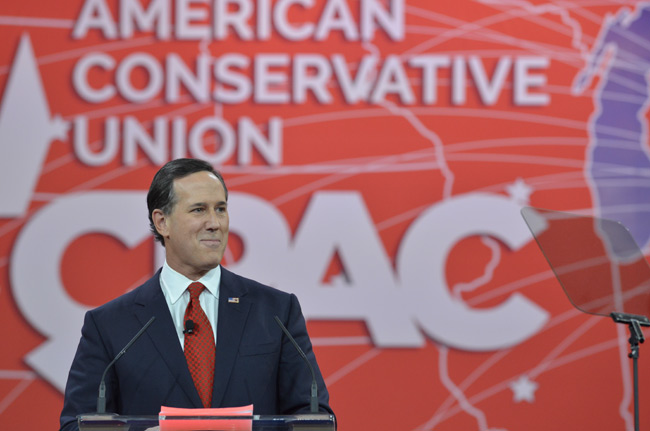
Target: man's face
196	229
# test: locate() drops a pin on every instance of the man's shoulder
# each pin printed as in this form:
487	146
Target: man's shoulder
125	301
251	287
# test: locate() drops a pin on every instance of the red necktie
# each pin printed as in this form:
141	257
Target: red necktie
199	346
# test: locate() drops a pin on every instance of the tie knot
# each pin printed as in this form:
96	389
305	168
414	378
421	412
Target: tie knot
195	290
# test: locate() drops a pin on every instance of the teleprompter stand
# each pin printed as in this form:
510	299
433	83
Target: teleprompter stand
634	322
601	269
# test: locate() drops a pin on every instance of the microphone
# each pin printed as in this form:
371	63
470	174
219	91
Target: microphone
101	399
189	327
314	385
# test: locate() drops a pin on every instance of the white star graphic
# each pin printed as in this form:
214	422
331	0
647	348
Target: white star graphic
60	128
519	191
523	389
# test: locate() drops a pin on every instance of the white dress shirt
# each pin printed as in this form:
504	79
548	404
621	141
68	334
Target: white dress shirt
174	286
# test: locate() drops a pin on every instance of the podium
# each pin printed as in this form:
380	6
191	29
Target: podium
303	422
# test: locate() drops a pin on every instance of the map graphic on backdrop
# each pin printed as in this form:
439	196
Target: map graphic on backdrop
619	157
377	153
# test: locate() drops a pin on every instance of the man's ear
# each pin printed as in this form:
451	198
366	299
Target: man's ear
160	222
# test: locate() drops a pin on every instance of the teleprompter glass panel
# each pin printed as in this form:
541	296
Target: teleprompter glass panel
597	262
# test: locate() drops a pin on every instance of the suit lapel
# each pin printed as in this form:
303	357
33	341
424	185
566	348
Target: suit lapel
151	302
230	327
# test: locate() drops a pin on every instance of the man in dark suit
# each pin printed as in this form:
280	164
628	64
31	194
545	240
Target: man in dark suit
248	359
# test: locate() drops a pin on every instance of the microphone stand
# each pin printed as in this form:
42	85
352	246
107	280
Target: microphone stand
101	398
313	404
634	322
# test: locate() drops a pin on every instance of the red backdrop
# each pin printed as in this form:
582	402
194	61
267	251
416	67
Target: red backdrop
377	154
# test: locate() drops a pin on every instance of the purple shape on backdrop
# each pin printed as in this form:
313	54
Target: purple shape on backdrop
618	159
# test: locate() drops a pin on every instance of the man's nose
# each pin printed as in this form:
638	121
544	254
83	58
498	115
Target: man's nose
213	221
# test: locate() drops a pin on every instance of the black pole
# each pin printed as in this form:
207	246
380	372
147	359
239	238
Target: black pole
636	391
636	337
634	322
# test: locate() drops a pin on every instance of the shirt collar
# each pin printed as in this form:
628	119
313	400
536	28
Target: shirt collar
175	283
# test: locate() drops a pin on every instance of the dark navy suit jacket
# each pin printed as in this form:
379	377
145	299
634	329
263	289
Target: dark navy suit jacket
254	362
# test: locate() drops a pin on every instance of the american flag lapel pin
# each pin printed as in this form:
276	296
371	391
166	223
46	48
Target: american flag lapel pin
233	300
